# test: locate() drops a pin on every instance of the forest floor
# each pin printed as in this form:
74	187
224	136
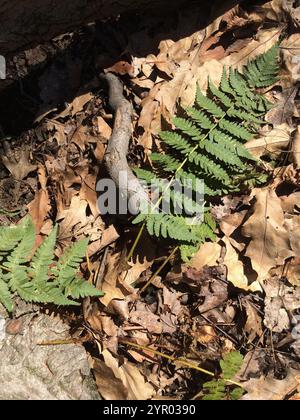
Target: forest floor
239	293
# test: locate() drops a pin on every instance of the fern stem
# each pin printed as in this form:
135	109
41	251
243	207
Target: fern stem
171	358
158	270
5	268
136	241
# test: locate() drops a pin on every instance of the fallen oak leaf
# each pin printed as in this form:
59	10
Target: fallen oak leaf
268	388
17	161
269	240
148	320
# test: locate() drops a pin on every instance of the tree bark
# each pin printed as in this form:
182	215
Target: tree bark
25	23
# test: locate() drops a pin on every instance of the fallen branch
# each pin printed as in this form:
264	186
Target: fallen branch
116	153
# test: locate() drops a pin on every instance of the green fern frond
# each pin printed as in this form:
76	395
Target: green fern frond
238	84
144	175
221	96
81	289
216	390
5	295
199	118
224	83
17	272
223	155
176	141
68	264
166	162
235	129
187	127
169	226
209	167
42	259
207	144
220	389
10	236
263	71
231	364
208	104
232	144
31	277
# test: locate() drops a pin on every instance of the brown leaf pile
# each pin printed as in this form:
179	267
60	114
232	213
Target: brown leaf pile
241	292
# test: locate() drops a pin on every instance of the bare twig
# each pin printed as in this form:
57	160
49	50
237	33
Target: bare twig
116	152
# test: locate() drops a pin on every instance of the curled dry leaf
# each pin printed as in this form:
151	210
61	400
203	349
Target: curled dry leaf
296	147
17	161
269	240
111	284
264	40
208	254
289	296
231	222
124	382
171	300
75	215
108	236
148	320
272	143
269	388
276	317
235	269
284	108
291	202
280	302
40	205
292	224
121	67
214	292
253	326
293	271
109	386
77	104
291	57
103	128
204	334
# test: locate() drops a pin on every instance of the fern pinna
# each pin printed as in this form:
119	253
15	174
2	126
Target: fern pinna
208	144
39	278
224	387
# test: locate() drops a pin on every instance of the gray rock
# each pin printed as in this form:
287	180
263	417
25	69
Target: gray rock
42	372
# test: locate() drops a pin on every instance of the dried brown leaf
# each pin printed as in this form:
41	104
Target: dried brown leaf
235	269
133	381
109	386
111	284
18	162
269	388
291	57
208	254
147	320
273	142
253	324
296	148
40	205
269	240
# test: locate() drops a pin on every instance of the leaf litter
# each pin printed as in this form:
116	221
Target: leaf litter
241	292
